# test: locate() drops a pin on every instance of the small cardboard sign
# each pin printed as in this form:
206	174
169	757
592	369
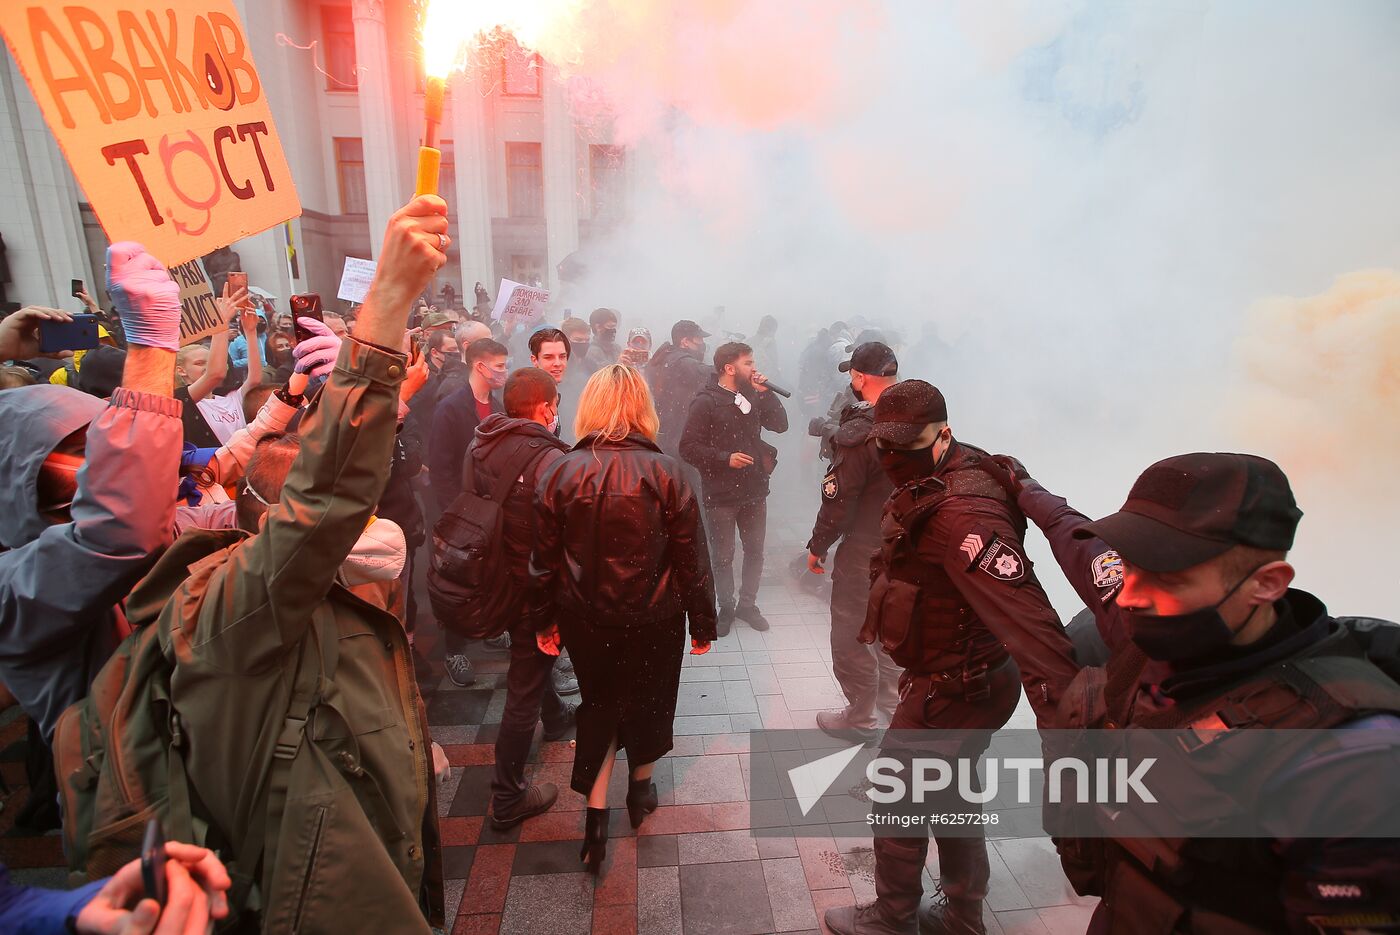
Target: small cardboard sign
355	279
160	111
519	304
199	314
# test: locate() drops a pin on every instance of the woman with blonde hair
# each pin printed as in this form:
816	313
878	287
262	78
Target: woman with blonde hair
621	553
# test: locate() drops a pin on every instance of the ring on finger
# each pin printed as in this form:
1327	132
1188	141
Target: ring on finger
442	242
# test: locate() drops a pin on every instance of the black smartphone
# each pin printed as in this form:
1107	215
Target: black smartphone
153	862
307	305
80	334
77	287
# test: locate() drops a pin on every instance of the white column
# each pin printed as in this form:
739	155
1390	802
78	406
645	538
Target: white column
472	152
560	176
383	190
39	197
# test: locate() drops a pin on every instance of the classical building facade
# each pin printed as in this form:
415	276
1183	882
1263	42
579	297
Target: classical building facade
526	183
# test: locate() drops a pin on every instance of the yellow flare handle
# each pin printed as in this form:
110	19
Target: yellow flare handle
429	162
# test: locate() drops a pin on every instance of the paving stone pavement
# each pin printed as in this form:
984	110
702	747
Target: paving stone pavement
695	868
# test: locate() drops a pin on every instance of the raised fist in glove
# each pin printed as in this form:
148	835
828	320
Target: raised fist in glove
147	299
317	354
1007	471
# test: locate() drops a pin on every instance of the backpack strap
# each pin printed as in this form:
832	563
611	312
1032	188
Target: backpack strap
307	692
520	458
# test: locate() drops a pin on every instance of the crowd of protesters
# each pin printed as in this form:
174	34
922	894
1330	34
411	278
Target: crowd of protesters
238	524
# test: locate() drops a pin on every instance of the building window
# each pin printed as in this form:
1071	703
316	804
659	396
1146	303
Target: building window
350	172
338	28
525	180
520	72
527	268
607	167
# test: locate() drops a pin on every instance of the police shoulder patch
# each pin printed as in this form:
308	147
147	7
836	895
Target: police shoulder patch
975	543
1004	562
1107	569
830	488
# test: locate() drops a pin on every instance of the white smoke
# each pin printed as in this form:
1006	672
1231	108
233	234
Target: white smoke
1084	199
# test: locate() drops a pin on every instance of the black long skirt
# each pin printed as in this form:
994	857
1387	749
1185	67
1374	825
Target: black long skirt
628	680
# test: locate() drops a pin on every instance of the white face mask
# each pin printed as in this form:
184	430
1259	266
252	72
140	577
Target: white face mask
743	403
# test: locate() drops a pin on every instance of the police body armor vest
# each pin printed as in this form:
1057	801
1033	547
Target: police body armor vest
1222	886
915	610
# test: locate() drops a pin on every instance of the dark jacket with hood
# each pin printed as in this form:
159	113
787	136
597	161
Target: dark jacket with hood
676	375
620	541
498	440
60	586
716	428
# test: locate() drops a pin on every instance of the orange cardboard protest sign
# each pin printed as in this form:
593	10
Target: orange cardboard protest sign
160	111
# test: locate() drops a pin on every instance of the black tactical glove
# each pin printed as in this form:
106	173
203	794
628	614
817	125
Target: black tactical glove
1006	471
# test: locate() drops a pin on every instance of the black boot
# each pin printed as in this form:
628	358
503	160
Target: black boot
641	800
595	839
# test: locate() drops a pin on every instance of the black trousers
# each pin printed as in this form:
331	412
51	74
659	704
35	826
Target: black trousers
962	861
530	696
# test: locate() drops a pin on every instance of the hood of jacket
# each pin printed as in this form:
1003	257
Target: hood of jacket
379	555
498	426
34	419
718	395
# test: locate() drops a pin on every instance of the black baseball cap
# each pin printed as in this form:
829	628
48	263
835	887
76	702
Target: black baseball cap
100	371
685	328
872	358
1186	510
905	409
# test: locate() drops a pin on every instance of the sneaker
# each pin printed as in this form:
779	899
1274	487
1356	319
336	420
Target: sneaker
865	920
838	724
538	798
565	683
560	730
497	644
750	614
459	670
947	917
726	619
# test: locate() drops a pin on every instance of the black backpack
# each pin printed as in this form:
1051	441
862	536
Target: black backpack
469	584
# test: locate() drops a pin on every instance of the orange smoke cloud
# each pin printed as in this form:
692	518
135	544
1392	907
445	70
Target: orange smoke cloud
1324	374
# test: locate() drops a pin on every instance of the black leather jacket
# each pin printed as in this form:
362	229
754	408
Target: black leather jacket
620	540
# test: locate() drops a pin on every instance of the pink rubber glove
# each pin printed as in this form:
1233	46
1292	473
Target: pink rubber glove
316	355
147	299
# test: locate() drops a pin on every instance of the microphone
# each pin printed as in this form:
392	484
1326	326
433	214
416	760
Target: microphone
785	394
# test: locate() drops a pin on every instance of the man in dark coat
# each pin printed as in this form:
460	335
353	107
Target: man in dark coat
723	440
520	440
676	372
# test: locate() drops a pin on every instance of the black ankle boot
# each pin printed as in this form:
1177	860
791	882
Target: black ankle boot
595	839
641	800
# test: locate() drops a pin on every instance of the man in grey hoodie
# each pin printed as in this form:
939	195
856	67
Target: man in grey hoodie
88	501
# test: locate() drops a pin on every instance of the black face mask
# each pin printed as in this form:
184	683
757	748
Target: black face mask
609	335
1190	635
578	349
904	465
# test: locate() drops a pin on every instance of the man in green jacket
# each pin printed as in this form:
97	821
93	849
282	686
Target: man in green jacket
338	801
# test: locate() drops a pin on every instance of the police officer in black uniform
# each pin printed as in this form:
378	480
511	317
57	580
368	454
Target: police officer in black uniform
854	491
954	601
1189	587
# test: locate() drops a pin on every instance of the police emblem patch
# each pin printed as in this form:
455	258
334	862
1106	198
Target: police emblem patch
1107	569
1003	563
829	487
